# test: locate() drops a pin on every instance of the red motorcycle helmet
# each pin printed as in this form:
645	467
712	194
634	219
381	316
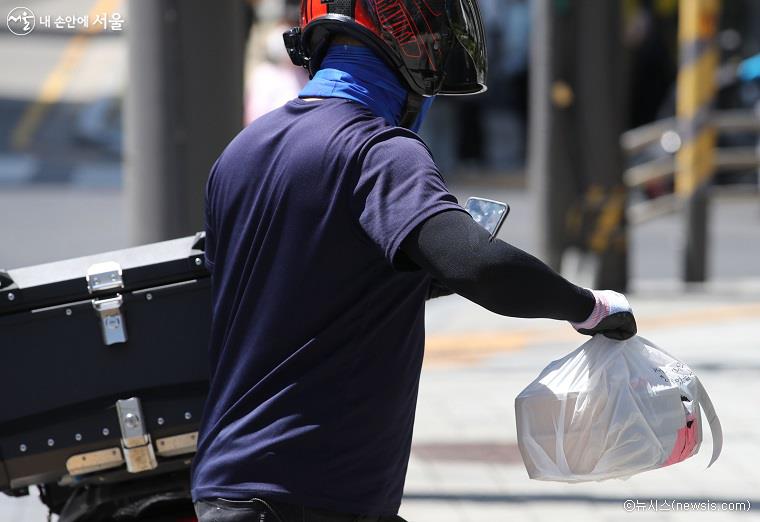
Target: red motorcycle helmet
438	47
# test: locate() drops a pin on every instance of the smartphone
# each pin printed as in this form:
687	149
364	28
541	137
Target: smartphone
487	213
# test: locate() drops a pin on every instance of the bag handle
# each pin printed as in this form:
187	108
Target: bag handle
712	419
707	406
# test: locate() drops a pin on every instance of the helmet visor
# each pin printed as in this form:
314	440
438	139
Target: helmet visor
467	66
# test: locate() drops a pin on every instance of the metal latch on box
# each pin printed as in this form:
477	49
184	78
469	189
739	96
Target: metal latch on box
135	441
107	276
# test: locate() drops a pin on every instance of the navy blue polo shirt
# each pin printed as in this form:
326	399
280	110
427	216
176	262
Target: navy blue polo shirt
318	322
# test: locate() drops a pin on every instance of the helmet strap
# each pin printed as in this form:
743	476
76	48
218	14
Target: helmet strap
412	109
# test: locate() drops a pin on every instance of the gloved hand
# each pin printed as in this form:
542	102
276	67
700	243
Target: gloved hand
612	316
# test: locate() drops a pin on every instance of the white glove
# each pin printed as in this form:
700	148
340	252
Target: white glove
612	316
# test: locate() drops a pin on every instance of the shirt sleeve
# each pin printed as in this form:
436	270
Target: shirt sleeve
398	187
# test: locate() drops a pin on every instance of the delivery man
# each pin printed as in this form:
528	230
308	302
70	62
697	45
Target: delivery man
327	221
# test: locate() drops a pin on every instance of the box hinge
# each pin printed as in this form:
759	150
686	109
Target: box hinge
107	276
135	441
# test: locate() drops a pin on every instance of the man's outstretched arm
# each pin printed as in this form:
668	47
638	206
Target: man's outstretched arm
460	254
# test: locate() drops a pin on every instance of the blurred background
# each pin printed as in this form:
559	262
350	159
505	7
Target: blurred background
623	133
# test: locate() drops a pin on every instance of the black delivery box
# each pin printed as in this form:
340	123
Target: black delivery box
103	364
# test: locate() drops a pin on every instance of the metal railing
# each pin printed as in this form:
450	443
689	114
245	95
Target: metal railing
663	168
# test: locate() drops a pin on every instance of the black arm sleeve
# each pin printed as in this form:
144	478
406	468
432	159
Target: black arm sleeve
460	254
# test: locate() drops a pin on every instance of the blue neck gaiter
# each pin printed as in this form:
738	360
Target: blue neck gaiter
356	73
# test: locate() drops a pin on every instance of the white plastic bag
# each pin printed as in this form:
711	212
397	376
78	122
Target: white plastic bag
612	409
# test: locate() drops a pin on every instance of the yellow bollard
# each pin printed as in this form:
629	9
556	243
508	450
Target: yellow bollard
695	161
